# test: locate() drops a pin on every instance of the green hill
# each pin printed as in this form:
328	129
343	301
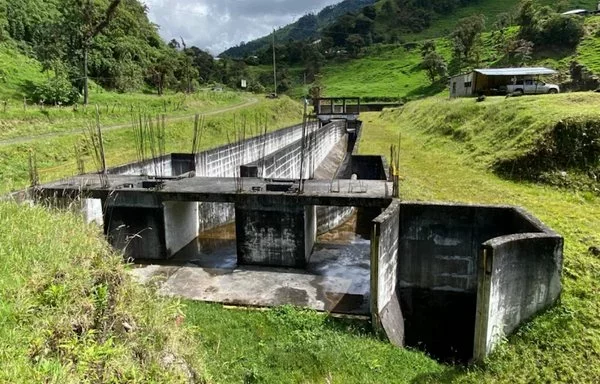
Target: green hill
308	26
554	139
394	71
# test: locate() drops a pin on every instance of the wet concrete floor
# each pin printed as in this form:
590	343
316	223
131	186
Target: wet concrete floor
336	280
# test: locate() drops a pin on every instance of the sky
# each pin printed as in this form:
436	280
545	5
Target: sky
215	25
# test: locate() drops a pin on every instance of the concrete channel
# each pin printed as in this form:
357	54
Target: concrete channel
234	225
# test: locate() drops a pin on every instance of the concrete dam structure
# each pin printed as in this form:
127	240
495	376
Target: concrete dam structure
296	216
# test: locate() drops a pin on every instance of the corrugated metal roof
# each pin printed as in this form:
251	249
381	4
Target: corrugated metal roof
575	12
516	71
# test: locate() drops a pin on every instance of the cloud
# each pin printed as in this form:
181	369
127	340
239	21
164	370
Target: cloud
216	25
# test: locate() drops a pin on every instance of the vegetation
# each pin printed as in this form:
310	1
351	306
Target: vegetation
110	42
287	345
70	312
57	155
553	139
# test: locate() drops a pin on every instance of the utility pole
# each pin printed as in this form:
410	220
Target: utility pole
274	64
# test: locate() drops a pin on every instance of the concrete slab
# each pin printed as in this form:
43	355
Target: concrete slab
336	280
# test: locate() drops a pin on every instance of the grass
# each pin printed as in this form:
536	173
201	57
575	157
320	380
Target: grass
388	71
287	345
70	313
19	117
554	346
56	155
503	132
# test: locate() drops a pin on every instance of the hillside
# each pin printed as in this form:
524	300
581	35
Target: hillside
305	27
552	139
394	71
394	20
439	167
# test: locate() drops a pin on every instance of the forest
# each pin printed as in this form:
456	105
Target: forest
109	42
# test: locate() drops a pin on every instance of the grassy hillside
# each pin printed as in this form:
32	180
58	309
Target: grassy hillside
56	155
442	26
549	138
562	345
70	313
17	71
393	71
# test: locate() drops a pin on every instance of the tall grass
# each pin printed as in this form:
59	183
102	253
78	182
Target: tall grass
70	313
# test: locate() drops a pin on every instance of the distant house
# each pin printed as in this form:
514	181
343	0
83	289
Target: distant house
492	81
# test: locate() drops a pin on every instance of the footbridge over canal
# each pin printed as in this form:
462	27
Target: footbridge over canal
450	278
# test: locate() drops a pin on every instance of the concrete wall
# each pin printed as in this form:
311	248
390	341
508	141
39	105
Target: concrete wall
273	232
146	228
450	307
286	162
364	167
225	161
181	225
441	243
385	305
213	215
519	276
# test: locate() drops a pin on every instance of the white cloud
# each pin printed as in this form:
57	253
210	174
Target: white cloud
216	25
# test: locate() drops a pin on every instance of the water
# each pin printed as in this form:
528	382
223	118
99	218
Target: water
337	276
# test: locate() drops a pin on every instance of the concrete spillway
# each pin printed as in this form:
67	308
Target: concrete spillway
452	279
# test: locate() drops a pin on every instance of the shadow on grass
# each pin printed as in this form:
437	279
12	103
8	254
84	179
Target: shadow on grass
426	90
448	375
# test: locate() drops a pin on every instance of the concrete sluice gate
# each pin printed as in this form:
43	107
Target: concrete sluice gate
233	225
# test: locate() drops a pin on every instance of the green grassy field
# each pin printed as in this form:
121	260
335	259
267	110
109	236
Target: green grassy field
557	345
383	72
550	138
20	116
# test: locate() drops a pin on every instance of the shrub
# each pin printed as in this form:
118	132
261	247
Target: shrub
56	90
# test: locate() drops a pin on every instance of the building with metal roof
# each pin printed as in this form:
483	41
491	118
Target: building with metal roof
490	81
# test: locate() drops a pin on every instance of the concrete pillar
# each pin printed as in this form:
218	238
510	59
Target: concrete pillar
181	225
271	232
143	228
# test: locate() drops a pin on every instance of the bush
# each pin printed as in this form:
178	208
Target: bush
57	90
560	30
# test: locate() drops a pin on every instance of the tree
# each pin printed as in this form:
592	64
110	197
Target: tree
466	37
435	66
427	47
523	51
354	43
81	22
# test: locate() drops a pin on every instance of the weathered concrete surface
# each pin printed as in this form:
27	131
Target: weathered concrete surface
225	161
138	232
336	278
442	288
272	233
153	231
364	167
253	287
385	305
129	190
519	276
181	225
287	161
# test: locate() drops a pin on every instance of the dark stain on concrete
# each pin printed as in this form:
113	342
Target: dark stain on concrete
287	295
